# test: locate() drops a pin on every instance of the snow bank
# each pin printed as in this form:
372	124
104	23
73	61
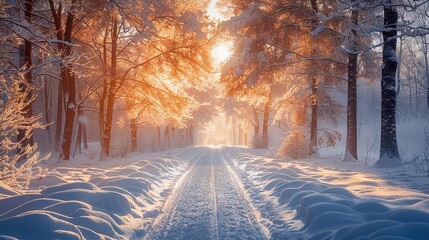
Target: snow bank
113	203
311	208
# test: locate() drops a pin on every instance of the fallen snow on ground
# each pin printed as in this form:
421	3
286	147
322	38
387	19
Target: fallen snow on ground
321	199
216	193
87	199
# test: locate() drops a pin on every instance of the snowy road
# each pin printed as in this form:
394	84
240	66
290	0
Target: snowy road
224	193
207	203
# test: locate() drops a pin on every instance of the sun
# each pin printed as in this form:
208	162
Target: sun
221	52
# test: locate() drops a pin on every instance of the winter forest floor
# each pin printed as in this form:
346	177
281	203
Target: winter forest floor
216	193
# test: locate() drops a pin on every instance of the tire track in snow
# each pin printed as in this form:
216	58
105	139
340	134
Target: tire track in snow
189	211
245	224
214	197
208	203
276	221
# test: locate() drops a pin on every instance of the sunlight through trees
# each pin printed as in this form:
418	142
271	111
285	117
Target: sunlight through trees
151	76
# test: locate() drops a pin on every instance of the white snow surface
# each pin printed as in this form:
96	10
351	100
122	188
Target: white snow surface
216	193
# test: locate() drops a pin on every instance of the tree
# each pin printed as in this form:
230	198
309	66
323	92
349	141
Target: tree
352	72
26	64
67	86
413	71
149	49
389	154
268	54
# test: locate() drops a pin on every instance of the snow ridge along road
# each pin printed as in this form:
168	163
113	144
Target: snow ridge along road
207	203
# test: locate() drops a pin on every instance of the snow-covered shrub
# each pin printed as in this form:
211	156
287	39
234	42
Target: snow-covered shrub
295	146
16	159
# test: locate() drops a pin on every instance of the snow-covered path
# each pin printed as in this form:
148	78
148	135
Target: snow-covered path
207	203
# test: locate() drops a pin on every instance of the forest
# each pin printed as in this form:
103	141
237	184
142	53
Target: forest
214	119
297	77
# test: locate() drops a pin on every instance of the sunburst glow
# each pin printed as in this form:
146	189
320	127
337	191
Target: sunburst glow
221	52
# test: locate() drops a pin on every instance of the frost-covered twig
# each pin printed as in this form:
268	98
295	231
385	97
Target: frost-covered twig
16	158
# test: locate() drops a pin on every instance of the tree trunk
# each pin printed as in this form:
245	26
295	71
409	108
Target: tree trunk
314	94
70	116
82	127
105	147
167	137
398	72
158	133
56	14
181	137
103	96
173	137
191	135
78	143
313	123
133	126
425	54
184	137
70	89
47	106
389	154
26	139
85	137
59	117
267	109
68	81
256	117
351	142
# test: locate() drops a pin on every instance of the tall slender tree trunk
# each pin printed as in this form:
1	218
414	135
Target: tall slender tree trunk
59	117
25	138
67	86
239	135
85	137
69	124
103	96
82	126
47	106
398	71
167	137
56	14
70	86
314	109
78	143
105	148
133	127
314	93
256	125
267	109
389	154
191	135
352	70
158	135
173	137
425	54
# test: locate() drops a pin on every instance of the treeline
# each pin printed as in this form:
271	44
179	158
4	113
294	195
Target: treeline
292	57
146	65
129	63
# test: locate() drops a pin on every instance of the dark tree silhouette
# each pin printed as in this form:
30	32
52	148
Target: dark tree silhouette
389	154
352	69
